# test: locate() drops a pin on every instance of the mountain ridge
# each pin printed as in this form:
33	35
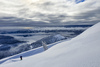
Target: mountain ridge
81	51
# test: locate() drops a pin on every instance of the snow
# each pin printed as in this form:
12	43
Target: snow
27	53
81	51
59	37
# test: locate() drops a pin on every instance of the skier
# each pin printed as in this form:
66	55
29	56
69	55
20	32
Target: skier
20	57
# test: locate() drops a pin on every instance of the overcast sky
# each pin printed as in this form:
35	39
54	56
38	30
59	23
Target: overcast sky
14	12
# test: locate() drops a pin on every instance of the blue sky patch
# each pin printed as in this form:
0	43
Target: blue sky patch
79	1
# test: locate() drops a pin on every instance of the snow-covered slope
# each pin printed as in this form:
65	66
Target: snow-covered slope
81	51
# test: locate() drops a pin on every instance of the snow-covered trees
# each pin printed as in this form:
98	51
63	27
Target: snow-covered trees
44	45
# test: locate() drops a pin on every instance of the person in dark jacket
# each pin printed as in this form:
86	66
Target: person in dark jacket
20	57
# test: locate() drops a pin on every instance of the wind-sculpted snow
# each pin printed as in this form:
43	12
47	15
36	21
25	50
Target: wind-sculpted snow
81	51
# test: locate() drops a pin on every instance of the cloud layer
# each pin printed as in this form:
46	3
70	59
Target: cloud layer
51	11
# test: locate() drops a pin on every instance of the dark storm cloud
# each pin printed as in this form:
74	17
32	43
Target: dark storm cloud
89	16
14	21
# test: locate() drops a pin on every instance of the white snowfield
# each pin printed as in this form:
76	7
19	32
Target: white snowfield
81	51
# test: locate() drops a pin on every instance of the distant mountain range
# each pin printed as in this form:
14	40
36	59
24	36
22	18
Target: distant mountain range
15	40
10	46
